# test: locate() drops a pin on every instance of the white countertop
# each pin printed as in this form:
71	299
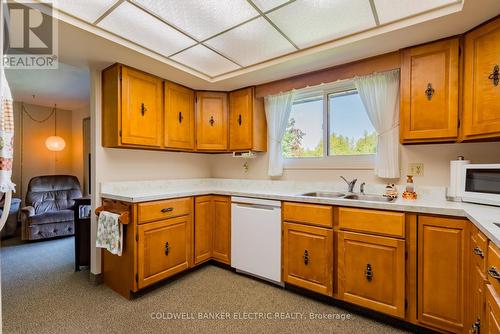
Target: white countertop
431	199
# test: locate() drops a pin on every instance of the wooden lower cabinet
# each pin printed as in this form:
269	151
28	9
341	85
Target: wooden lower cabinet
308	257
203	229
492	315
442	272
212	230
477	281
371	272
164	249
221	243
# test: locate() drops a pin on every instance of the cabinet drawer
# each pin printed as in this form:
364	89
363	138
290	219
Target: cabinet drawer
372	272
308	257
493	267
372	221
321	215
164	249
478	248
157	210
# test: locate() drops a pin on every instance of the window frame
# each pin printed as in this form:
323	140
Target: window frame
356	161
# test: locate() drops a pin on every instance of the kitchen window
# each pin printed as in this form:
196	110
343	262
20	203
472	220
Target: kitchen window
333	114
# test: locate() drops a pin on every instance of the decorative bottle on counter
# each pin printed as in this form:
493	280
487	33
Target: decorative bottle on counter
410	189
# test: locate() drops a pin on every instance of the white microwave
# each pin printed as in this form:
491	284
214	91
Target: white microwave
481	184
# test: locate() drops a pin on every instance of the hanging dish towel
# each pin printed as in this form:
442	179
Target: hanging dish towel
110	233
6	136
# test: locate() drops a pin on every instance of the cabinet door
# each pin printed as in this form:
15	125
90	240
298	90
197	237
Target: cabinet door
221	250
211	121
164	249
203	228
481	117
179	117
442	272
141	115
429	92
477	280
241	119
371	272
492	316
307	257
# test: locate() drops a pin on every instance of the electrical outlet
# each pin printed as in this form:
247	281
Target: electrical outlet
416	169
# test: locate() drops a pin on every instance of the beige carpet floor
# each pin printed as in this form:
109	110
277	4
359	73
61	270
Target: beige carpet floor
42	294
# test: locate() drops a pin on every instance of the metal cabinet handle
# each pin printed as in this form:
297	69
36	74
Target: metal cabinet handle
211	121
494	273
167	248
239	119
478	251
306	257
495	75
429	92
369	272
143	109
476	327
180	117
165	210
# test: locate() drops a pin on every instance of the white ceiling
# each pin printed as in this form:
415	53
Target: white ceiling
216	38
67	86
84	48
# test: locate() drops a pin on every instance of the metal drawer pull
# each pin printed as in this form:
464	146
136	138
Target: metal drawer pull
429	92
143	109
239	119
476	326
211	121
167	248
495	75
494	273
165	210
369	272
478	251
180	117
306	257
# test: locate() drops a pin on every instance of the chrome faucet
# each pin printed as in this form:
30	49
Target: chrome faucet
350	184
362	188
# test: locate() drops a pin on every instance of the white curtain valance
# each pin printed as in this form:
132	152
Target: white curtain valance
380	95
278	108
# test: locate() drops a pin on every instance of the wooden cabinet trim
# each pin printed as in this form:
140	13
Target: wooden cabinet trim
158	210
312	214
378	222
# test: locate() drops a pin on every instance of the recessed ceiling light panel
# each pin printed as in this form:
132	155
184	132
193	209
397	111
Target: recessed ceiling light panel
89	10
134	24
201	19
205	60
251	43
312	22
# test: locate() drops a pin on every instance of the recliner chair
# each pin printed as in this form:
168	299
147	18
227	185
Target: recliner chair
49	207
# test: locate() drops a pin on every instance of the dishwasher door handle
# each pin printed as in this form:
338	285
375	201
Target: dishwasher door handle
256	206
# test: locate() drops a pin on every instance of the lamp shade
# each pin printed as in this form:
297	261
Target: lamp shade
55	143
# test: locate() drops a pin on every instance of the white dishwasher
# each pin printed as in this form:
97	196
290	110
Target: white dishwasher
256	237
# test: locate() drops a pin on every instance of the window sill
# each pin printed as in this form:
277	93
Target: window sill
354	162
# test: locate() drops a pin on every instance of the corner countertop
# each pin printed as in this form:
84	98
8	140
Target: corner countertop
432	200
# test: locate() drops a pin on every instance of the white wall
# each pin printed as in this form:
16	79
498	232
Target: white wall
436	159
122	164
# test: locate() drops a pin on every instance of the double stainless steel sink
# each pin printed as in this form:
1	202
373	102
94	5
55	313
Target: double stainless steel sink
350	196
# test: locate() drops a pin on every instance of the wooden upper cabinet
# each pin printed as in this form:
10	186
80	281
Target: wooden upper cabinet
247	121
211	121
429	92
481	110
442	272
131	108
179	117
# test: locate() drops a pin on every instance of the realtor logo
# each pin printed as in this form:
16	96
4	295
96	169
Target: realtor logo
29	35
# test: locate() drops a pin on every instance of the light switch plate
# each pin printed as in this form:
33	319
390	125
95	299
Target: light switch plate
416	169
